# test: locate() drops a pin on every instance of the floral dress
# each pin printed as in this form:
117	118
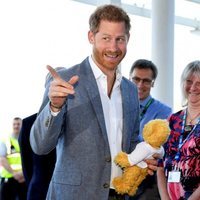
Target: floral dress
189	163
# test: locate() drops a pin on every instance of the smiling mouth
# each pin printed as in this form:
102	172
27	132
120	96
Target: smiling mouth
111	55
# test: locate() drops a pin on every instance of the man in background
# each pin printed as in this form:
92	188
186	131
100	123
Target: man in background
37	169
12	180
143	73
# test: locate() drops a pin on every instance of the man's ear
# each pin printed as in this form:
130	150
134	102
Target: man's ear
91	37
152	84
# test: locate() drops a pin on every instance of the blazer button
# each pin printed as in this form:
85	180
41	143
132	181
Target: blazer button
106	185
108	159
47	122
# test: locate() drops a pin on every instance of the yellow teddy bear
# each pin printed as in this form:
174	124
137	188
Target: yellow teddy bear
155	134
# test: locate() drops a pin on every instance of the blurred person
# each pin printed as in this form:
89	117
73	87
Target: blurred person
13	185
144	73
90	113
37	169
179	177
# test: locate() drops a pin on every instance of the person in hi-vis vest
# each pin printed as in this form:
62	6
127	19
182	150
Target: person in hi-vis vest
12	180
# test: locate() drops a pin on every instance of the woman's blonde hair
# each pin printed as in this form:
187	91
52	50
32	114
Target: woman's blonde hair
192	68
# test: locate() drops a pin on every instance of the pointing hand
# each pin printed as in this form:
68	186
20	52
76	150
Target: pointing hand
59	89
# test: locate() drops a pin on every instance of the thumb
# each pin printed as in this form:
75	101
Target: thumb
73	80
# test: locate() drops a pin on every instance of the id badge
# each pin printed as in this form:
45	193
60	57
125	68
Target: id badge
174	177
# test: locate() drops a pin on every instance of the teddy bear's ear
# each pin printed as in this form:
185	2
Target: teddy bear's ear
156	132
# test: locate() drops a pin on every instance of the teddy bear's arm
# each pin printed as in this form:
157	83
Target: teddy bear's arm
141	152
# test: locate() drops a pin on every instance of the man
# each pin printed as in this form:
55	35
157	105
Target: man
37	169
12	182
143	73
90	113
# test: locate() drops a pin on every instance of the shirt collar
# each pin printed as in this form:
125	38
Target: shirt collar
98	73
144	102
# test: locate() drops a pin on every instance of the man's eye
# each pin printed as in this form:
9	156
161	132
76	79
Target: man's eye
147	81
136	79
105	38
121	40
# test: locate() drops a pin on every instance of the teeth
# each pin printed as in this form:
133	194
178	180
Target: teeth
112	56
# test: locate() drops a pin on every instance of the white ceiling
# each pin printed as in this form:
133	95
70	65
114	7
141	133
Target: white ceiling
187	11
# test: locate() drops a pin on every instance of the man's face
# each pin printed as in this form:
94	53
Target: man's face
109	45
17	126
143	78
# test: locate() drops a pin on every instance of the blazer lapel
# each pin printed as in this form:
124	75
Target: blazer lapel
93	93
126	117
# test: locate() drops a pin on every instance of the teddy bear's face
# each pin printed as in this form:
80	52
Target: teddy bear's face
156	132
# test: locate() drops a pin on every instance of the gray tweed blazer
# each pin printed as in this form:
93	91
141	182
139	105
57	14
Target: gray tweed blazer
83	166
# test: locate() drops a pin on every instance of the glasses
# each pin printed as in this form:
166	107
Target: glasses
145	81
190	83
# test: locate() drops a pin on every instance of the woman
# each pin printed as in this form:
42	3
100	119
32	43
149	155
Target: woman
179	178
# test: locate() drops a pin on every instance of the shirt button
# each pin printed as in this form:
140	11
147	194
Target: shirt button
106	185
108	159
47	122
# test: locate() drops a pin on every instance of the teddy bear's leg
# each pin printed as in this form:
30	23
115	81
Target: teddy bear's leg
122	160
141	174
127	181
132	191
121	185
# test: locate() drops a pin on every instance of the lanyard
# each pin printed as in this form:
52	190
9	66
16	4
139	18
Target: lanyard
145	108
181	141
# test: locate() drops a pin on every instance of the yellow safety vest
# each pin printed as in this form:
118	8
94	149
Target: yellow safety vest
13	157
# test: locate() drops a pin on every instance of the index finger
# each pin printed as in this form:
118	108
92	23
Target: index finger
53	72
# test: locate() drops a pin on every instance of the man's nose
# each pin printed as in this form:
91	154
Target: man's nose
140	83
113	45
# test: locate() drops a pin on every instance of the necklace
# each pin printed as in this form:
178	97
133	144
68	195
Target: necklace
188	128
192	119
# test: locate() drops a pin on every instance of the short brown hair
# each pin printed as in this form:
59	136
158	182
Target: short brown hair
145	64
17	118
109	13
